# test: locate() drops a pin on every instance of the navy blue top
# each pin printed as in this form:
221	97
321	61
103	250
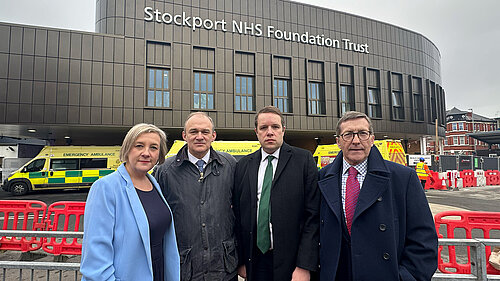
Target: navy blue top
159	220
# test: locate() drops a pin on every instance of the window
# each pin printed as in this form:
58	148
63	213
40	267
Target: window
64	164
35	166
315	88
455	140
203	96
244	94
316	98
158	87
397	105
281	95
462	140
418	103
433	101
453	126
346	99
93	163
374	107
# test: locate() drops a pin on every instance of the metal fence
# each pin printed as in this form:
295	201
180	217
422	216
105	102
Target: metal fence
25	270
465	162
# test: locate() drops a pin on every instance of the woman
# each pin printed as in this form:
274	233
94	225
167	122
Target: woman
128	227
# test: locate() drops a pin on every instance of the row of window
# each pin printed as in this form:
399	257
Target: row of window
462	140
159	95
461	126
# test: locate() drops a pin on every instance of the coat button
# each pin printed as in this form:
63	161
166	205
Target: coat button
386	256
382	227
249	260
379	199
203	224
322	222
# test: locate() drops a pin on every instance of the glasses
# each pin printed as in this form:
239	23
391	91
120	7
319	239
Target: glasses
362	135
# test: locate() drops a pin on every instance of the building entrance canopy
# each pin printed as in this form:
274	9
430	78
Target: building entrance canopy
490	138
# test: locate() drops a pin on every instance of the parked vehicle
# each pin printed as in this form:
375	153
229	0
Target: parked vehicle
62	167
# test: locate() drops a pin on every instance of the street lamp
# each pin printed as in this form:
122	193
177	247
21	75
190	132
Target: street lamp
473	128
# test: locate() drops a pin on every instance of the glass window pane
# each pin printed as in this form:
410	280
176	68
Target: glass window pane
159	100
210	79
285	88
249	85
165	79
151	78
203	82
280	88
313	104
285	105
243	103
275	103
196	81
238	85
309	90
166	99
151	98
275	85
159	78
243	85
280	104
250	103
203	100
237	102
210	101
196	100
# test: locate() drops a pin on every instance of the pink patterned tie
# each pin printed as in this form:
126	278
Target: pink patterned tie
351	196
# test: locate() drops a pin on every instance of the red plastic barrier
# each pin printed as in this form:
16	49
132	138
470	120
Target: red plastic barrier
492	177
22	215
64	216
468	221
434	182
468	178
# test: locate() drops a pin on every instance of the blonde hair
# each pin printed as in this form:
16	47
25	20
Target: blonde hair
138	130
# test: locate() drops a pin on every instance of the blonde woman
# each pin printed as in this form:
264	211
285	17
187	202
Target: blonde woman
128	227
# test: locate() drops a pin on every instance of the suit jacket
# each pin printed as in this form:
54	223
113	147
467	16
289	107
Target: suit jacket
393	235
294	211
116	241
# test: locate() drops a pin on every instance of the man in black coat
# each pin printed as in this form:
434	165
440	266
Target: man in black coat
375	220
276	226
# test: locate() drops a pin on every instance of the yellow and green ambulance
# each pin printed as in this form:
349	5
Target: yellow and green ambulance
63	167
236	148
391	150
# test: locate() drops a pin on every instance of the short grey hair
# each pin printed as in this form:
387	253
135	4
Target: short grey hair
351	115
202	114
138	130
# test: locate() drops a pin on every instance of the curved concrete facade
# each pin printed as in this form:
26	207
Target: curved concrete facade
157	61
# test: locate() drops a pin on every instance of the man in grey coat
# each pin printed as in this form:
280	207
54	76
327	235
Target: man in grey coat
198	185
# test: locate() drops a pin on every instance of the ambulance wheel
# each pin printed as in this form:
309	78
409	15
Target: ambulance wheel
19	188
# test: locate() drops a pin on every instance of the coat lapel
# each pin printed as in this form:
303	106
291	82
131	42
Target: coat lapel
139	213
330	187
375	183
253	171
285	154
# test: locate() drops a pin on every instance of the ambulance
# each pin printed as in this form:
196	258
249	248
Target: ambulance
391	150
238	149
63	167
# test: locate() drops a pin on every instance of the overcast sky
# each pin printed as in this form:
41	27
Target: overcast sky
466	32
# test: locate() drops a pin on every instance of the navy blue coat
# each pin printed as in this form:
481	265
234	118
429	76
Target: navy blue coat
393	234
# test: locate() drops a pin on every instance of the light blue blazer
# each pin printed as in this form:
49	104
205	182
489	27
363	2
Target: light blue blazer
116	240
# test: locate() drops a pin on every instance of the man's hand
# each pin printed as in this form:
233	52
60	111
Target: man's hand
242	271
300	274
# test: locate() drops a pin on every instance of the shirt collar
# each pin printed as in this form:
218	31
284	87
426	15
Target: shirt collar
193	159
362	167
274	154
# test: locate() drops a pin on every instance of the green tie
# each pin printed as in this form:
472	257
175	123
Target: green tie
263	235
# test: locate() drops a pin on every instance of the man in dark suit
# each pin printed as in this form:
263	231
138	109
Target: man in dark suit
375	220
276	204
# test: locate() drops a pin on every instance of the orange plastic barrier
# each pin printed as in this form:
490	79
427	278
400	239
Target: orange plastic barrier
468	178
435	182
492	177
468	221
22	215
64	216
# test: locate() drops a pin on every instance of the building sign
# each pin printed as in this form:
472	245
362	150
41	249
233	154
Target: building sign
414	159
252	29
